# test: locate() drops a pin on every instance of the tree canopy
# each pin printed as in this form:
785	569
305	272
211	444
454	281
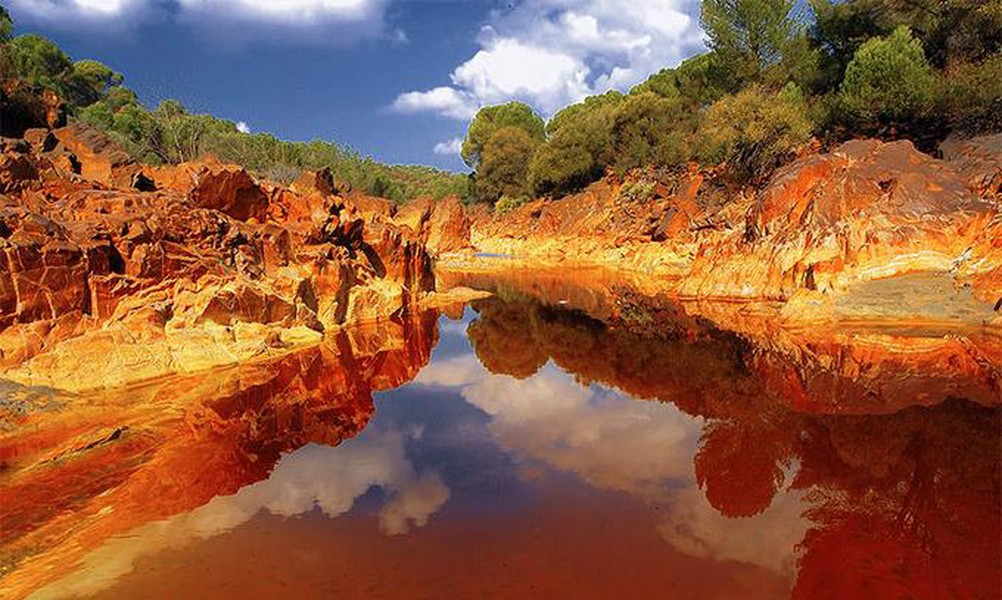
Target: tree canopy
492	118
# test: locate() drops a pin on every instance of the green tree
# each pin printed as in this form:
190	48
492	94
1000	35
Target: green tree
647	130
504	164
755	130
89	81
577	150
748	36
6	26
888	81
38	61
492	118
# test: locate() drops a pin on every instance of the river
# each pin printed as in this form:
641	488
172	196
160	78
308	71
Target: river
556	439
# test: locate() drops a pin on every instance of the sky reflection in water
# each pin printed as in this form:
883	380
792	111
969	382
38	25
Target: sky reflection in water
470	481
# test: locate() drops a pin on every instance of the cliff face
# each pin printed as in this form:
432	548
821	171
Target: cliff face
823	228
177	269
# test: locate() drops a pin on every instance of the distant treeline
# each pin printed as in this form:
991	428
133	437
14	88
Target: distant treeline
170	134
778	74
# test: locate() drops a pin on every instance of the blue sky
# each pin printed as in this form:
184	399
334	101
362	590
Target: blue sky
395	79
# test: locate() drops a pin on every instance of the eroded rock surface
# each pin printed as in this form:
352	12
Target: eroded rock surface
202	265
825	224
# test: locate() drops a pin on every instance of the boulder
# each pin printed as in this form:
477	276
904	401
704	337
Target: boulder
99	158
232	191
978	161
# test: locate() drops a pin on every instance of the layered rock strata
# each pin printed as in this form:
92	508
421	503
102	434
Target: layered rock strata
112	272
824	226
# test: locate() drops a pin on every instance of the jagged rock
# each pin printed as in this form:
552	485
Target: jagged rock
99	158
979	161
41	139
179	268
231	190
443	225
320	181
823	226
18	169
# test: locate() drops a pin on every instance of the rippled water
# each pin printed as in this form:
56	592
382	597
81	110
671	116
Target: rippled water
532	445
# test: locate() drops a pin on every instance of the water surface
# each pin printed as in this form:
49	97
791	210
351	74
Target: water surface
550	441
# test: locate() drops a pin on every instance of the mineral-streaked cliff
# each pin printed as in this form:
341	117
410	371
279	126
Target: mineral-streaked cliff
817	237
112	272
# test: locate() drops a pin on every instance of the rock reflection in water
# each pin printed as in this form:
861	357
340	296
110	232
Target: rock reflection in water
564	439
107	463
902	502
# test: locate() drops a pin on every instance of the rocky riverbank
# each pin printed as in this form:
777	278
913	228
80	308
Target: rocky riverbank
867	229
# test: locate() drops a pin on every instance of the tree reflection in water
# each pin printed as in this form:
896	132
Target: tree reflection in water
890	439
902	503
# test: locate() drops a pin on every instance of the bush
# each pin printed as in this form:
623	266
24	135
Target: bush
755	130
490	119
504	164
888	82
971	97
508	203
647	130
637	191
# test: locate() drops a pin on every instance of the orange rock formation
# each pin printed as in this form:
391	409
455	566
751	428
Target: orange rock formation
177	269
824	226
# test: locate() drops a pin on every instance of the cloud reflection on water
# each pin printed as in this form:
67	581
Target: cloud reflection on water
330	479
614	442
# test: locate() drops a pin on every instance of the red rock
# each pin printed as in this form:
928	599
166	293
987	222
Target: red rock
18	169
210	268
100	159
231	190
979	162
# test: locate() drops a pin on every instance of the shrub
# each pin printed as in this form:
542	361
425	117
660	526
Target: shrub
887	82
508	203
647	130
504	164
637	191
755	130
971	97
490	119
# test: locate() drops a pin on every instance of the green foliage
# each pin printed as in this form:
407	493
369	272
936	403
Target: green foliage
951	31
504	164
748	35
38	61
508	203
576	152
88	81
647	130
492	118
6	26
576	114
637	191
755	130
971	97
888	81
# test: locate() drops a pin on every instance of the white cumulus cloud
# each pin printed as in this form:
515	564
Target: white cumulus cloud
243	127
449	147
444	100
76	12
550	53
